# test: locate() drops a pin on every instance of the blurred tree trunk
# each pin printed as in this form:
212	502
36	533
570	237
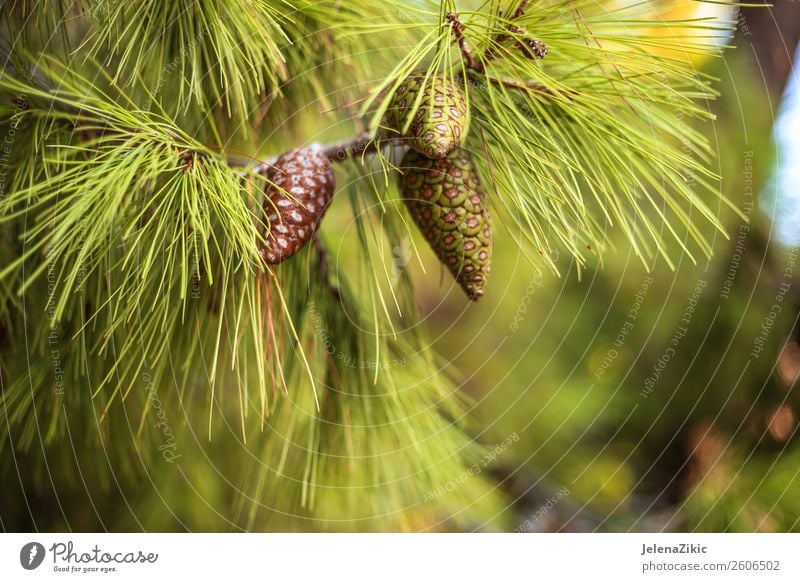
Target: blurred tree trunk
772	33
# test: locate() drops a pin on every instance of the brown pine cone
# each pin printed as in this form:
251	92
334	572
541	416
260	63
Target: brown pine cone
302	186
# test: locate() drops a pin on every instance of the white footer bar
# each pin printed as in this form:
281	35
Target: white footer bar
356	557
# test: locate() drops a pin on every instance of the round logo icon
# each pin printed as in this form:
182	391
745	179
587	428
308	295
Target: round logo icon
31	555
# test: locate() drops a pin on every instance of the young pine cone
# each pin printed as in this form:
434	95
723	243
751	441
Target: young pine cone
441	122
446	200
302	186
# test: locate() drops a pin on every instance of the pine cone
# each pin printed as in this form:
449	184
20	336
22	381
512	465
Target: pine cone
446	200
302	186
442	120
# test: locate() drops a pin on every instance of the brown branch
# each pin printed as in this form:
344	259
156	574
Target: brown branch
363	144
529	47
518	13
458	33
325	268
526	86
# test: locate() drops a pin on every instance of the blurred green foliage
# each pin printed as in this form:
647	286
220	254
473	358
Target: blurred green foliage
644	394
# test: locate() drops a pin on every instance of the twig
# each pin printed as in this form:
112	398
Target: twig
503	37
529	47
259	168
325	268
527	86
458	32
363	144
520	11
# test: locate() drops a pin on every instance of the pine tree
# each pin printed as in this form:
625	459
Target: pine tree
148	351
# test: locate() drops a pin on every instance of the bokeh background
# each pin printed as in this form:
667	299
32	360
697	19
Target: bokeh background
650	399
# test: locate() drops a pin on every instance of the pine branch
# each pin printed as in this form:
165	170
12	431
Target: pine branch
325	268
478	69
529	47
362	145
150	236
463	45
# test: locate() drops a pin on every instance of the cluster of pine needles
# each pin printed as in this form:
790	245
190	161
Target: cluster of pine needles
130	240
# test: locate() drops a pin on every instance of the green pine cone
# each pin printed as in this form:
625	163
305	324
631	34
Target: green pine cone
447	202
442	120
